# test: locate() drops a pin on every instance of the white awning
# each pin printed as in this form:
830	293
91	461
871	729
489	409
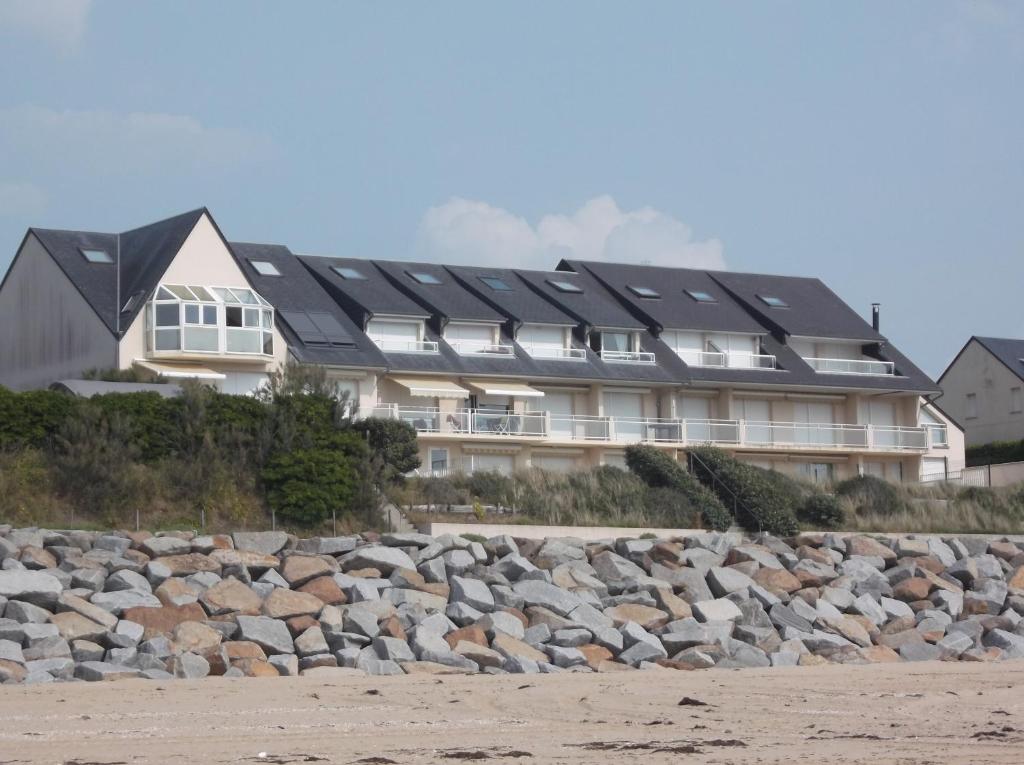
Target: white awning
179	371
490	388
432	388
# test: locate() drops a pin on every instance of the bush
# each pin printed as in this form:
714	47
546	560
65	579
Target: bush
395	441
995	453
871	494
306	485
765	499
657	469
31	419
821	511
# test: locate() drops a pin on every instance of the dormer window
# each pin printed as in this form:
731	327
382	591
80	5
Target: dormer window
644	292
700	296
348	273
423	278
567	287
264	268
773	302
96	256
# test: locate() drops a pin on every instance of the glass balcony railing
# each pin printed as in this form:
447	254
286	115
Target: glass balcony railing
851	366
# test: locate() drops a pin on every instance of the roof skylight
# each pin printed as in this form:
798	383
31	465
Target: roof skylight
264	267
773	302
96	256
700	296
644	292
347	273
564	286
495	283
423	278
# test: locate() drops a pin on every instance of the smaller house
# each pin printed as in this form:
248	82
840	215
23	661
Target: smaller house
983	390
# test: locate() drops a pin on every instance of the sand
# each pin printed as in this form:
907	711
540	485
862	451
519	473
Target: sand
904	713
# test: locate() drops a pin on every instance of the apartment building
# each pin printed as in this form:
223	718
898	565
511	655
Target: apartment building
496	368
984	389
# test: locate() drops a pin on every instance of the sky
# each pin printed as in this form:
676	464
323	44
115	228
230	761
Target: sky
878	146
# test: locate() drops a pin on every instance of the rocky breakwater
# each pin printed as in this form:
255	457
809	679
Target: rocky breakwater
92	606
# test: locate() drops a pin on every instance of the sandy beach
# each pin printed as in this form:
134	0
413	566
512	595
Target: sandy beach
895	713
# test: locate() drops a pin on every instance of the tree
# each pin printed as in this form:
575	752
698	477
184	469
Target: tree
395	441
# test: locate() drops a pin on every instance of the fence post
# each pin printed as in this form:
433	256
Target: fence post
334	519
273	520
202	519
136	519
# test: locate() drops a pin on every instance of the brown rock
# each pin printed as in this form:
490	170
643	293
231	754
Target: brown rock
482	655
897	639
69	602
666	553
284	604
909	590
257	562
861	545
811	579
325	588
255	668
675	664
647	617
299	569
927	563
816	554
37	558
11	671
299	624
197	637
392	627
365	573
440	589
162	621
1004	550
777	581
613	666
869	626
811	660
518	614
938	583
189	563
432	668
878	654
175	591
594	654
982	654
899	624
808	595
470	634
243	649
136	556
137	537
1016	582
847	628
672	604
74	626
230	596
509	646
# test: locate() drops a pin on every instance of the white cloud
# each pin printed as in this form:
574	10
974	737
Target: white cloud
21	200
112	143
469	232
58	23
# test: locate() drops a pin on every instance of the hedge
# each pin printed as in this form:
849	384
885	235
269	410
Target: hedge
995	453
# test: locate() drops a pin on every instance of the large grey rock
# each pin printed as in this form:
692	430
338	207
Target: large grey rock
26	613
502	622
472	592
100	670
393	649
11	651
920	652
271	635
328	545
688	583
724	581
721	610
265	542
154	547
1011	644
783	615
538	593
127	580
35	587
117	602
384	559
612	568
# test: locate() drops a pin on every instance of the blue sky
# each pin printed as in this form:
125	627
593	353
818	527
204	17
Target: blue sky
876	145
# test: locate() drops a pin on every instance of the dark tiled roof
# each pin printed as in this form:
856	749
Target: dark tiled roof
814	310
146	253
595	305
449	299
674	309
363	298
521	303
296	290
1007	350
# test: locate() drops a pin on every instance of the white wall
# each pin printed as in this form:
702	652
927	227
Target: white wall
47	330
978	371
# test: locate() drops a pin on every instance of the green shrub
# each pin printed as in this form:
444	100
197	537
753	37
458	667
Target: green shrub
32	419
306	485
871	494
995	453
658	469
490	486
821	511
671	508
765	500
395	441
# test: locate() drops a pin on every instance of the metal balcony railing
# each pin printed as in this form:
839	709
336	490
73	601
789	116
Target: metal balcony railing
406	346
558	354
730	360
476	348
767	434
851	366
629	357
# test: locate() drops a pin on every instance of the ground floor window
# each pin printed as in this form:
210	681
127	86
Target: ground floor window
438	460
815	472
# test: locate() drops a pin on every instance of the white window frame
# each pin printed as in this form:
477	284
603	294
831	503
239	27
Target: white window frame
235	297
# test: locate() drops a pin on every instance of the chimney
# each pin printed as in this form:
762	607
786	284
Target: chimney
875	310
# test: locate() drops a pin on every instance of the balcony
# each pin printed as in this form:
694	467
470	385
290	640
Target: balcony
768	435
723	360
405	346
475	348
851	366
628	357
557	354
